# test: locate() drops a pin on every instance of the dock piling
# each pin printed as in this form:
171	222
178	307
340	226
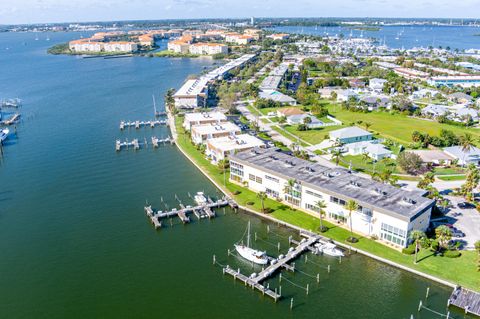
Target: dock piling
428	291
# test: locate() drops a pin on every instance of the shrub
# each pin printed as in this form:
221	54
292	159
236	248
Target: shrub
410	250
374	237
237	192
452	254
434	246
323	229
267	210
250	203
425	242
352	240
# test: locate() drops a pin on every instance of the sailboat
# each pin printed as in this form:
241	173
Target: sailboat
155	112
4	134
250	254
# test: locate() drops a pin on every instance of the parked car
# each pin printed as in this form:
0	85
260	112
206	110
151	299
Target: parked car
465	205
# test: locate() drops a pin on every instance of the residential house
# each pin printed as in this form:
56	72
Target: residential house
460	97
464	157
377	84
277	96
350	134
289	111
300	119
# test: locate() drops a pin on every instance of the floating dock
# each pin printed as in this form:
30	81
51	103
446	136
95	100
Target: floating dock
255	280
156	142
134	143
465	299
139	124
12	120
201	211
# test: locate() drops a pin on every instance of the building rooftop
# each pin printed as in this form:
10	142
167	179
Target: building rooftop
393	201
276	96
203	116
237	142
348	132
224	127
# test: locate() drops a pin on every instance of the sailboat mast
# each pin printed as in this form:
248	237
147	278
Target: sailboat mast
248	235
154	105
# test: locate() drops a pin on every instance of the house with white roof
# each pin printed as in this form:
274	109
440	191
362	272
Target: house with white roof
200	133
423	93
377	84
350	134
300	119
434	110
374	149
221	147
277	96
199	118
464	157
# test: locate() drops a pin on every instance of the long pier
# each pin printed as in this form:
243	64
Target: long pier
255	280
139	124
204	210
465	299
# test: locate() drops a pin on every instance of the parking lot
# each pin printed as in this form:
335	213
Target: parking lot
467	220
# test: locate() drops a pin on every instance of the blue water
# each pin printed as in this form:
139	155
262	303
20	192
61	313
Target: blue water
74	240
456	37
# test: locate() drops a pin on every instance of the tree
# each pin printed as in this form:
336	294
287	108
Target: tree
409	162
169	100
289	186
351	206
365	157
367	125
321	206
471	182
443	234
337	156
307	120
466	142
477	248
427	179
262	196
416	236
223	165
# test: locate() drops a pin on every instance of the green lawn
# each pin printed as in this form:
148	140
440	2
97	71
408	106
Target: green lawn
460	270
449	171
313	136
359	164
289	136
253	110
452	177
398	127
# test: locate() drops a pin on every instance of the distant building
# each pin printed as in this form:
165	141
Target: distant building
277	96
120	46
375	151
471	156
377	84
203	48
289	111
459	97
201	133
279	36
300	119
463	81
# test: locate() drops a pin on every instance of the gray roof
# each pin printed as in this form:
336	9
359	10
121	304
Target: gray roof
276	96
348	132
339	182
460	95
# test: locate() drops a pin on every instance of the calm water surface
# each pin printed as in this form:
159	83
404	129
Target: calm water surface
74	241
456	37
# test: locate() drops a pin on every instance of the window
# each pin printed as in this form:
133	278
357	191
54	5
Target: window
311	207
255	179
290	199
258	179
251	177
309	192
338	201
393	234
271	178
236	165
272	193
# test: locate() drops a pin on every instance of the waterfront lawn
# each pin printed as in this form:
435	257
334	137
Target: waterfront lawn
460	270
399	127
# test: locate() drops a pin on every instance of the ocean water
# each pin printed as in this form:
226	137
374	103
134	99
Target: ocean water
456	37
74	240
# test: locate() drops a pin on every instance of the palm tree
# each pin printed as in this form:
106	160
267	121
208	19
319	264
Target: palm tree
477	248
466	143
289	186
321	206
351	206
444	234
262	196
367	125
337	155
365	157
416	236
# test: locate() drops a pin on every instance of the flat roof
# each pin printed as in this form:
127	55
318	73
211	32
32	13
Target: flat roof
393	201
212	128
204	116
229	143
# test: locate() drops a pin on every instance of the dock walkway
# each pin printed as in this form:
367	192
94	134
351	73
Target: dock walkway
465	299
139	124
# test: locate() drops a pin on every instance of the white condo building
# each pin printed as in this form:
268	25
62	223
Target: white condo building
202	118
201	133
384	211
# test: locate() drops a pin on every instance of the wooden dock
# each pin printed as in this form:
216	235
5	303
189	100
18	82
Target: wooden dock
465	299
201	211
236	274
156	142
255	280
126	144
139	124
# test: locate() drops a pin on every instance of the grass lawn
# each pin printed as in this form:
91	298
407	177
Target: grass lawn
398	127
460	270
253	110
289	136
313	136
359	164
409	178
452	177
449	171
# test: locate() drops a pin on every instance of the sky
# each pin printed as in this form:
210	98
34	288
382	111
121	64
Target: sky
43	11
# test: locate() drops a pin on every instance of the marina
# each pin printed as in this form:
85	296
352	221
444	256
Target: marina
139	124
136	145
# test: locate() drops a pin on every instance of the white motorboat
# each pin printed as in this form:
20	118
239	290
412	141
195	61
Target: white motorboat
329	249
4	134
250	254
200	198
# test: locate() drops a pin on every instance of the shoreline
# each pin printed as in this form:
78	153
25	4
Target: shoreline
280	222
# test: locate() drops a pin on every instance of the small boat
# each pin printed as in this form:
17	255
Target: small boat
329	249
4	134
250	254
200	198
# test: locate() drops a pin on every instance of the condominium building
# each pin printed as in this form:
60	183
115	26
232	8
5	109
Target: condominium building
384	211
178	46
202	118
279	36
222	147
237	38
203	48
200	133
86	46
120	46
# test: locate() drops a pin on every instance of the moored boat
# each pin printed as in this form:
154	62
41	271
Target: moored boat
329	249
250	254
